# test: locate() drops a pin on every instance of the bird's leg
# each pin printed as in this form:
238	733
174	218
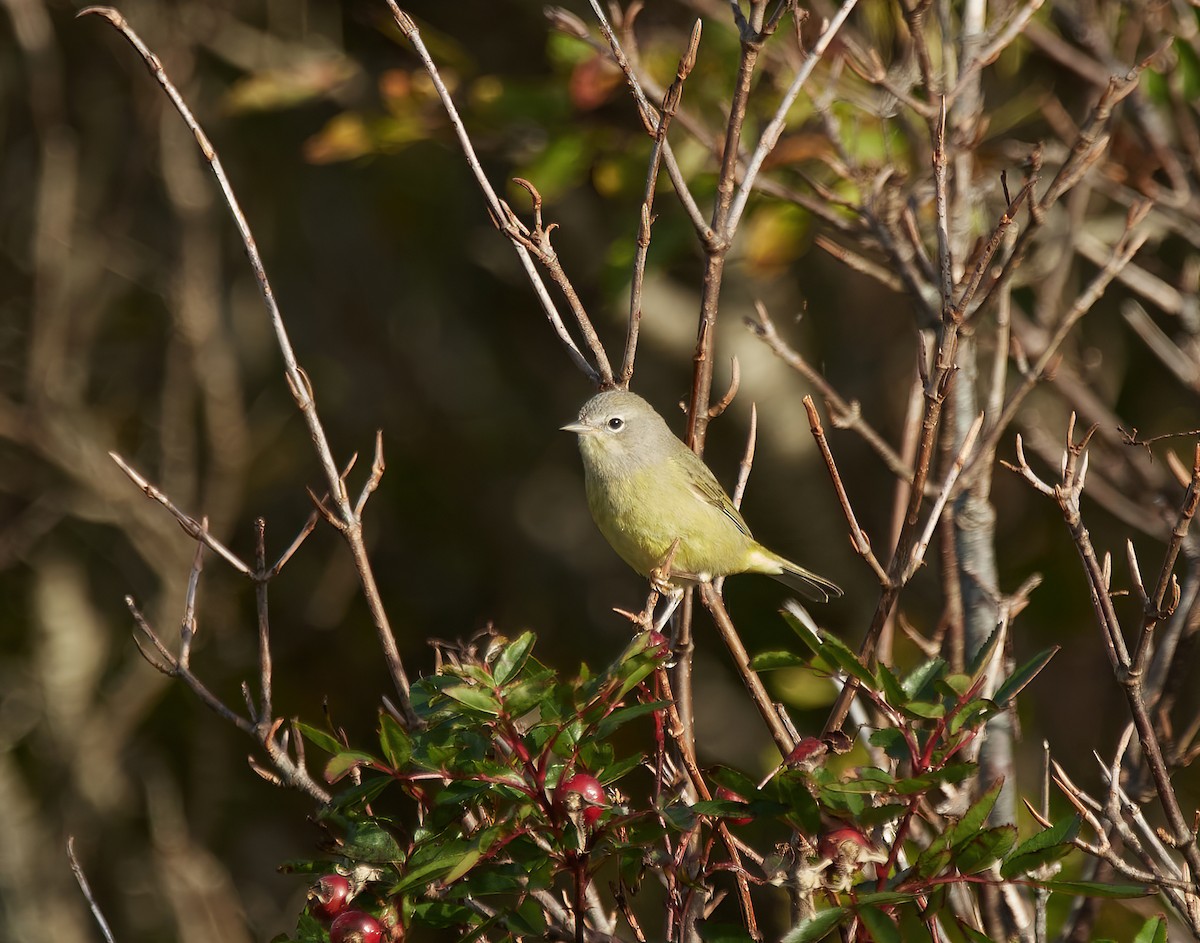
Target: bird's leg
674	596
660	579
660	576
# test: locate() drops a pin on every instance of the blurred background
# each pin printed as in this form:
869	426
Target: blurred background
129	321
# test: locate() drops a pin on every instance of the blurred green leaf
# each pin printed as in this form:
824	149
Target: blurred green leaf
1016	682
816	927
768	661
950	773
1097	889
1153	930
883	928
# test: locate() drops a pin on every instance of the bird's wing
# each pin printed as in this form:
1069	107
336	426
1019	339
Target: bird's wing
709	490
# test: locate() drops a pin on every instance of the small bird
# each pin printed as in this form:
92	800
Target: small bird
647	490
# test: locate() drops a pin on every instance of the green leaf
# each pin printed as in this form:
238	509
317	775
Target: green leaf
769	661
916	680
614	771
924	710
440	914
883	928
982	849
982	660
524	695
623	715
474	697
891	741
369	841
912	927
723	808
803	630
355	797
791	791
892	689
394	741
309	930
952	686
1096	889
430	864
634	671
972	715
465	864
950	773
933	859
816	927
975	817
513	658
341	764
886	898
319	738
837	651
1023	675
1153	930
528	919
1044	847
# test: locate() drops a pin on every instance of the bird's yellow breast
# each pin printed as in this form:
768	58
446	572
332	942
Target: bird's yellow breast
643	512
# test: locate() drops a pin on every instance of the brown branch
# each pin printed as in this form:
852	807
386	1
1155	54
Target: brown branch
858	537
86	889
296	379
670	106
741	660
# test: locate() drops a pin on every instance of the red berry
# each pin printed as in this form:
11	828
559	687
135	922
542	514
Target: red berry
726	794
592	798
329	896
354	926
846	846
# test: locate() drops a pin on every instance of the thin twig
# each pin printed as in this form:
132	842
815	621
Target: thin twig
773	130
670	106
81	879
598	374
858	537
758	693
296	378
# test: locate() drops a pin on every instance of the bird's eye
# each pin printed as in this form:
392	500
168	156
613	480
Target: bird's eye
616	424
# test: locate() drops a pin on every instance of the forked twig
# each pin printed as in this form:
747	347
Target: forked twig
297	380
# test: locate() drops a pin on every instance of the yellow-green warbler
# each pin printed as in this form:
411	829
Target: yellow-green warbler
646	489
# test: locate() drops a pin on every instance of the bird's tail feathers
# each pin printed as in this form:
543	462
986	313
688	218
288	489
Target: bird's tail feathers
806	582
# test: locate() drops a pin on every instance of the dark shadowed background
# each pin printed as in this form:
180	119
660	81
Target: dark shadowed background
129	321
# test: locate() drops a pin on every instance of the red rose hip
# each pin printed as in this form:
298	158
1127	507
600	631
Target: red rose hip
329	896
591	800
355	926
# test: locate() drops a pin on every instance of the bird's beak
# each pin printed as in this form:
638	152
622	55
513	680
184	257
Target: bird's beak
578	428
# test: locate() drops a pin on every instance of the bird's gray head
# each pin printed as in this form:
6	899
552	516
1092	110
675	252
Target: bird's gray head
620	432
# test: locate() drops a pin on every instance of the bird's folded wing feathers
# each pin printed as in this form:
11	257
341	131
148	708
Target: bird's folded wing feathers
709	490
